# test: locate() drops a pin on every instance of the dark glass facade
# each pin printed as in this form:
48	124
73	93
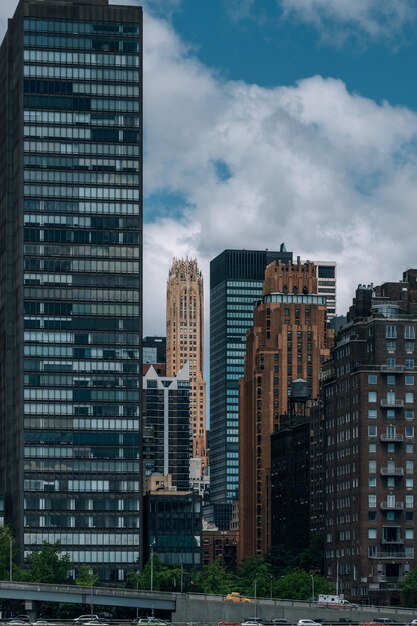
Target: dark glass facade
166	416
236	281
173	527
71	280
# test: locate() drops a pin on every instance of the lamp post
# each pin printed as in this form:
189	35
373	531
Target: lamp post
91	597
256	604
271	579
152	566
312	586
10	558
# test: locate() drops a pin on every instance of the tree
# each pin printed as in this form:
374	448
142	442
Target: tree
6	541
213	579
49	564
85	577
259	570
409	586
297	584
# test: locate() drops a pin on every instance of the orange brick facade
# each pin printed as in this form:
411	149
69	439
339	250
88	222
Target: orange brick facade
289	339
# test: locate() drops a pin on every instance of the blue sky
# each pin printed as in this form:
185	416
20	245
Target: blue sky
278	120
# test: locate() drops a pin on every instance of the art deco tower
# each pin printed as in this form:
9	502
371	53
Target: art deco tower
289	340
185	342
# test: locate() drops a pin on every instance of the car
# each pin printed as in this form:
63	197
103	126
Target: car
278	621
384	620
96	622
413	622
307	622
254	621
235	596
17	622
84	618
23	617
43	622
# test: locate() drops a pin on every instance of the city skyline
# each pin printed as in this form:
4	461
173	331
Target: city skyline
332	123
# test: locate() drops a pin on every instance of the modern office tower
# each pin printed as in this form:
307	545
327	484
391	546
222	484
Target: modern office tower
326	284
154	350
71	280
236	280
166	410
185	343
288	340
369	391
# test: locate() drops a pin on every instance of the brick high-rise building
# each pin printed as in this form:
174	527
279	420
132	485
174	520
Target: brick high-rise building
71	280
289	340
369	392
185	342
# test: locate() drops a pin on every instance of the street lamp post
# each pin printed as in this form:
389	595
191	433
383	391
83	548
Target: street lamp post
312	586
91	598
10	558
152	567
271	579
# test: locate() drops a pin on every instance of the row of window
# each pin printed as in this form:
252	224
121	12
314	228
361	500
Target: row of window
84	193
81	73
390	396
66	26
113	486
80	366
83	133
81	521
81	103
77	163
105	467
59	422
81	58
67	88
80	43
391	431
81	395
89	149
391	379
409	332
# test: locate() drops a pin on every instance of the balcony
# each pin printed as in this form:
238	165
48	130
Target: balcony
392	506
386	403
393	542
392	438
392	471
392	556
389	369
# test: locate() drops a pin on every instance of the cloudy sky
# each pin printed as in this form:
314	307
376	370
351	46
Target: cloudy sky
279	120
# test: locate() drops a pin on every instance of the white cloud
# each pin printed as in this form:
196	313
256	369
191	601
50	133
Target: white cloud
331	173
375	18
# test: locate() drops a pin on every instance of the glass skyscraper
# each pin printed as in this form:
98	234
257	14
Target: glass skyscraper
236	281
71	280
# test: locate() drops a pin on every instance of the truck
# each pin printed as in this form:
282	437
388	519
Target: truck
336	602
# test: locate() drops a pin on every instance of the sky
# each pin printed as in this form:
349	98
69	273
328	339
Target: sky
270	121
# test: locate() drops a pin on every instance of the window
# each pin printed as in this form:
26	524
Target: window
391	379
409	448
390	481
391	331
409	483
372	379
372	447
409	364
409	380
371	396
372	413
409	430
371	533
409	332
390	346
409	346
372	431
371	515
409	397
409	414
391	362
372	467
409	533
409	467
409	501
372	501
372	481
